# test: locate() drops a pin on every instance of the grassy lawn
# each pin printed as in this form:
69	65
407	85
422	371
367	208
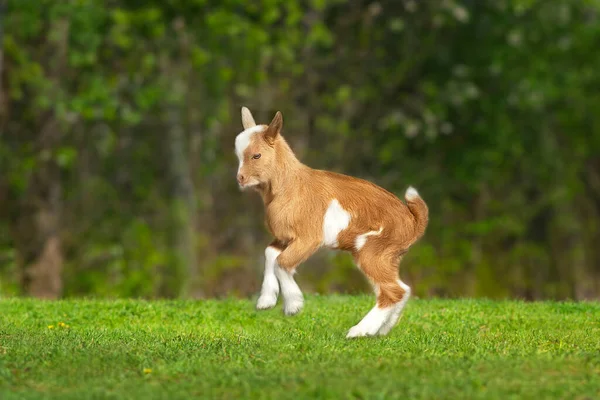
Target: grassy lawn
460	349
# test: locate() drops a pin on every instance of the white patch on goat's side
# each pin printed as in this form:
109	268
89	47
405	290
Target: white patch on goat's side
336	220
411	193
362	239
293	300
371	323
270	285
398	307
242	141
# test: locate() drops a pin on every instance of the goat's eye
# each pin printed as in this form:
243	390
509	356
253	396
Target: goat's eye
256	156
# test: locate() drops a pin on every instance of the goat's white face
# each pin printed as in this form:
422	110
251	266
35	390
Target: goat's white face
250	155
255	151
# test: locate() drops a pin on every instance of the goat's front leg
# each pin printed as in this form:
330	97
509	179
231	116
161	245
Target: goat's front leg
270	285
295	253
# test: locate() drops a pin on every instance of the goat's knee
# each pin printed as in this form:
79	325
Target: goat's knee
287	261
297	252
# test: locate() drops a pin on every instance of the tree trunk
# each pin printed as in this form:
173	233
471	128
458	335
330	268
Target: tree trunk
43	277
2	12
182	278
39	217
38	239
183	208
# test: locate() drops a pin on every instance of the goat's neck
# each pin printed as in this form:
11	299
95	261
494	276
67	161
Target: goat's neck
285	181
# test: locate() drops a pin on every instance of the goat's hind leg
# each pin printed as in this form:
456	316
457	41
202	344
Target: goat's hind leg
398	307
391	296
372	322
385	314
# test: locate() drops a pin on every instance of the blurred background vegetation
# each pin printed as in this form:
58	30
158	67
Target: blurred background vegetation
118	118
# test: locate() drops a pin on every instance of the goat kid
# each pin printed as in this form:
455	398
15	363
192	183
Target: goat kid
308	208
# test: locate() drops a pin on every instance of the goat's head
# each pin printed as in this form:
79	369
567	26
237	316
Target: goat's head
255	148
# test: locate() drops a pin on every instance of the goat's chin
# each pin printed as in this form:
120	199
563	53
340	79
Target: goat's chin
249	185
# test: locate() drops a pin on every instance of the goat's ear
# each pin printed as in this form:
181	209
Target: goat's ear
247	118
274	128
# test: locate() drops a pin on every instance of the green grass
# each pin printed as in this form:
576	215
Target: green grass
441	349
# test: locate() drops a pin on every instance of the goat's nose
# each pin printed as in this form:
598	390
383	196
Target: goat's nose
240	178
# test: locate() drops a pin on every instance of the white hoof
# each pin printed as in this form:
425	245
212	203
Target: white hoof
371	323
293	306
266	302
358	331
362	330
355	331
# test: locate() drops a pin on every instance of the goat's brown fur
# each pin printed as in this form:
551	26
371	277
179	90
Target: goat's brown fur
297	197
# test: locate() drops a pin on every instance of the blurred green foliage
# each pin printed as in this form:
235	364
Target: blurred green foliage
118	120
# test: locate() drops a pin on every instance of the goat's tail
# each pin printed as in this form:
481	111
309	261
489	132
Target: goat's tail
419	209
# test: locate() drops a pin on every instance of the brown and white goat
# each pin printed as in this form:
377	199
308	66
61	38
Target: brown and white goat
308	208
